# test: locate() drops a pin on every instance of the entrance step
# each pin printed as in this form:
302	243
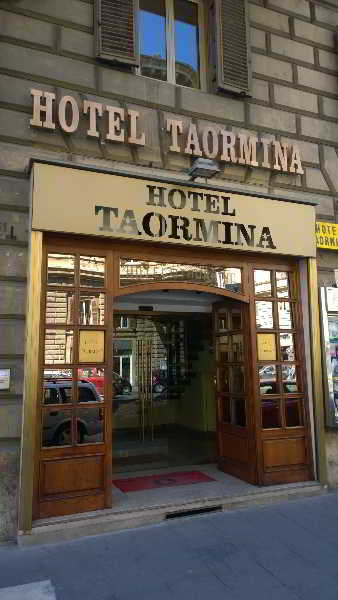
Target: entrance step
59	529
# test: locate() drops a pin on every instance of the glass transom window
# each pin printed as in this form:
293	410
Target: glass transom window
170	41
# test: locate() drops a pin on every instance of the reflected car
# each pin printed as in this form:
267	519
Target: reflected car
56	429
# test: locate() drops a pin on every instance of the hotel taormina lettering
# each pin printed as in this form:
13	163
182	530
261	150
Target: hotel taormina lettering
124	126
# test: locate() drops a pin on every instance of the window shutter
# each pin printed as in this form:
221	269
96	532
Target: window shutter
117	37
231	43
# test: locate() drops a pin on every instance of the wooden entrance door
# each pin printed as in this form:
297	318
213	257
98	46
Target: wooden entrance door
236	442
74	437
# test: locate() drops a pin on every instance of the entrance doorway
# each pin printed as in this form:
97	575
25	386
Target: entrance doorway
149	364
165	414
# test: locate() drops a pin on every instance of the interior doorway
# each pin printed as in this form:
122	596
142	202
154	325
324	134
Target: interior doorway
164	414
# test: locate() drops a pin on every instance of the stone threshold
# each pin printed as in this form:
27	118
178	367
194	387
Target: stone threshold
71	527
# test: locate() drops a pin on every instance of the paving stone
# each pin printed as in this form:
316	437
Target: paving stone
40	590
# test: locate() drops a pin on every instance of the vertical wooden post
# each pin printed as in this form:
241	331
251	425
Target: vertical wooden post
317	383
31	382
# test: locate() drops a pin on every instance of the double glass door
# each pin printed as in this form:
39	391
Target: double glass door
164	414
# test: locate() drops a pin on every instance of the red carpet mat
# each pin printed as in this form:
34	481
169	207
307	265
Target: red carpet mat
151	482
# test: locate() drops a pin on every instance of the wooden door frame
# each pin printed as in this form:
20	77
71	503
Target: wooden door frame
144	250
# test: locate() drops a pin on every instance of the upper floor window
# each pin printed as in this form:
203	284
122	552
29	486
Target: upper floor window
194	43
170	41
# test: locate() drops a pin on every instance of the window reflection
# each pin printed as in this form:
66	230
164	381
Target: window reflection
284	315
237	347
57	387
270	413
238	412
90	386
226	410
294	412
56	428
282	284
58	346
236	319
290	379
237	380
223	348
186	43
287	347
268	380
92	270
92	308
264	316
61	269
262	280
153	43
90	425
134	272
224	379
59	307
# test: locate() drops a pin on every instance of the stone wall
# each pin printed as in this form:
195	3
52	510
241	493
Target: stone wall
50	45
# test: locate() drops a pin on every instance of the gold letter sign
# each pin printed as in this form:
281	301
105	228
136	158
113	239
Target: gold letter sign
91	346
266	346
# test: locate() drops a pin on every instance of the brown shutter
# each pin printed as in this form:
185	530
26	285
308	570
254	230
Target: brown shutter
231	45
117	31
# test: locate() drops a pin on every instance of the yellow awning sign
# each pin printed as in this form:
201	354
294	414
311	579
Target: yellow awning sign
327	235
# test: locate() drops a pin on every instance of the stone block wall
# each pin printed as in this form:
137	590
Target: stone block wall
49	45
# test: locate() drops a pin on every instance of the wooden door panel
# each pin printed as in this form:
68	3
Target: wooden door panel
278	453
234	448
74	437
72	474
237	450
71	505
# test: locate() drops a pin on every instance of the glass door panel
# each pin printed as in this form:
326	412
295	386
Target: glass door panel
167	416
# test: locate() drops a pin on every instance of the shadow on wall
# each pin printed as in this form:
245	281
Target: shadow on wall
9	476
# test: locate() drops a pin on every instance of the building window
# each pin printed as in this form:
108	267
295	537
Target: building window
170	41
123	322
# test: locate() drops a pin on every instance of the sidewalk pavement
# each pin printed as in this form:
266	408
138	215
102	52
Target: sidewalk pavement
287	551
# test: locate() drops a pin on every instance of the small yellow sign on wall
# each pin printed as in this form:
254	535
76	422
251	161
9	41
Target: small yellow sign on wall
327	235
91	346
266	346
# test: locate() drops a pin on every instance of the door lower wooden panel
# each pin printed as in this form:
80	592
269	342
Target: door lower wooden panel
72	474
283	452
70	506
286	460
